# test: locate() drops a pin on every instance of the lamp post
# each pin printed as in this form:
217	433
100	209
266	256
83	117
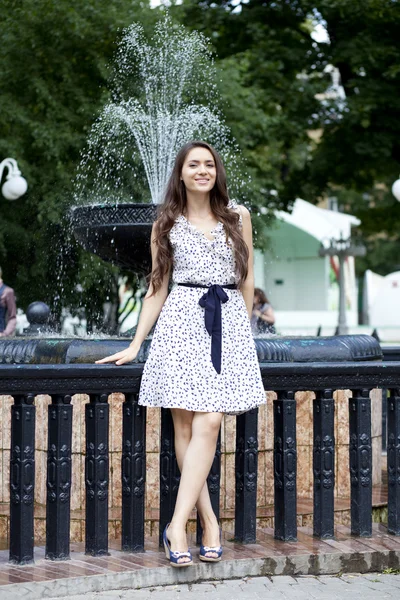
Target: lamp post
342	248
15	185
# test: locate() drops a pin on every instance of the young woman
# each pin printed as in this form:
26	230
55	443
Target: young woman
202	362
263	317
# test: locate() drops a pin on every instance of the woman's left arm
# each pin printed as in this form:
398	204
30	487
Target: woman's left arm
247	288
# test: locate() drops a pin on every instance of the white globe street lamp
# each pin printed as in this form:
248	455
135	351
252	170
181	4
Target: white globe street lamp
396	189
15	185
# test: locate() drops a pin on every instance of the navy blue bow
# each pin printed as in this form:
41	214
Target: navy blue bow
211	302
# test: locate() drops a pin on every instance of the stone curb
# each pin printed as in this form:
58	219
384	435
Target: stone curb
301	564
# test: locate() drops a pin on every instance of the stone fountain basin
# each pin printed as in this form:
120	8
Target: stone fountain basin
341	348
119	234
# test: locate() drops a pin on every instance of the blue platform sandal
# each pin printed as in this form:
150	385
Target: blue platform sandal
215	550
173	556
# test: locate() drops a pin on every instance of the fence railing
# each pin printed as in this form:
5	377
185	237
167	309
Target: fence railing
61	382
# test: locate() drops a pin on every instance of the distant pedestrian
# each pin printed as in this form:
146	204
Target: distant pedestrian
8	309
263	317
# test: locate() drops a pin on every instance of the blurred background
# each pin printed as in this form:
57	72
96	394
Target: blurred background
310	92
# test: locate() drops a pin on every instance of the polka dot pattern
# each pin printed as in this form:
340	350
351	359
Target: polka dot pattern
178	372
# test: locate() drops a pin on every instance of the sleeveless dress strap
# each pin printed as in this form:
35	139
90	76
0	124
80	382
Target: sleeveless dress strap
232	204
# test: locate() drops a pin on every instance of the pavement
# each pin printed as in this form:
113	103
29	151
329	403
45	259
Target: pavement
269	568
370	586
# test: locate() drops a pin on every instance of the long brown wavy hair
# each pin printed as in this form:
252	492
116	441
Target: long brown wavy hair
174	205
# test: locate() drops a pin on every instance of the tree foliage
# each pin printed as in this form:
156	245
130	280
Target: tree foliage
279	68
54	56
296	139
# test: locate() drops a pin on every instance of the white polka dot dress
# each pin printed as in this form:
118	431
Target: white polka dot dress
179	372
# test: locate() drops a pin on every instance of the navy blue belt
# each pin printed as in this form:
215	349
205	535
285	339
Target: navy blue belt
211	302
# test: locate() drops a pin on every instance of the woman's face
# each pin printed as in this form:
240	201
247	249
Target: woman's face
199	171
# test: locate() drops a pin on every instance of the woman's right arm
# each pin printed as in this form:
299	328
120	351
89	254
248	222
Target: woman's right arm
152	305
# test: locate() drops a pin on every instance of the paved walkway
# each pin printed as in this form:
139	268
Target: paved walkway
371	586
245	572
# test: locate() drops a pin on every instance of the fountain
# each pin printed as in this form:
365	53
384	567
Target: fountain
161	96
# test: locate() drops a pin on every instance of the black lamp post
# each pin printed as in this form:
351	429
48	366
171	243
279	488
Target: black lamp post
342	248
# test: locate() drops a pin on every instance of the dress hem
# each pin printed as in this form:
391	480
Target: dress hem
224	412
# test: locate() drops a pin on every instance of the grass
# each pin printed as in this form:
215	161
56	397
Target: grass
390	571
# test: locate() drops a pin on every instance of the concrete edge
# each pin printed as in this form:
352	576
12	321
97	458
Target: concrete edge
302	564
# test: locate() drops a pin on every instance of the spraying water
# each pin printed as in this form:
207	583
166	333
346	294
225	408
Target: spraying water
163	95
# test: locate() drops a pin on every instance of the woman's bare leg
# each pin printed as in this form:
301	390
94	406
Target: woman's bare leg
196	464
183	434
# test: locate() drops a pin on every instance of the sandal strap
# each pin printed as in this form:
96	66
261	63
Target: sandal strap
212	549
177	554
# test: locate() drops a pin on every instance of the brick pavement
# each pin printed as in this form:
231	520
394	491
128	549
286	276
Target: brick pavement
268	557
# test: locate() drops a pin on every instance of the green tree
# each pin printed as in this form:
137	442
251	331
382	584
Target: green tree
263	49
54	56
267	52
359	154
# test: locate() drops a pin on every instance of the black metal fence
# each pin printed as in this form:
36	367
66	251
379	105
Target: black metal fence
24	382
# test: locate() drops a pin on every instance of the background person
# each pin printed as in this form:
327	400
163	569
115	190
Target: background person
8	309
202	361
262	317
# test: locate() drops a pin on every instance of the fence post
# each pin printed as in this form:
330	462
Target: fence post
393	461
58	507
285	466
246	461
324	464
360	463
96	474
22	478
133	470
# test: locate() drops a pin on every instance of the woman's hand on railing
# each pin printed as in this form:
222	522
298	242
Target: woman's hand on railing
120	358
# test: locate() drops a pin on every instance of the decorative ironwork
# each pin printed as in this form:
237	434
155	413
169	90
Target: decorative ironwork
22	479
327	349
58	507
133	474
393	461
15	351
56	379
285	457
117	233
117	214
96	474
246	461
324	464
360	463
360	347
64	379
272	350
169	471
213	483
